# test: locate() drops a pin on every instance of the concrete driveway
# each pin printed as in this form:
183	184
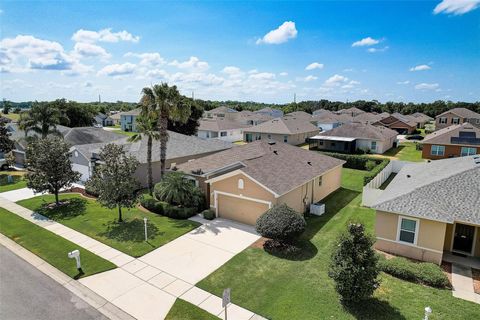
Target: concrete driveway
19	194
200	252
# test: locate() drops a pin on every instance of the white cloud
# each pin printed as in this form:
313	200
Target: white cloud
148	58
427	86
113	70
262	76
90	50
193	64
456	7
403	82
421	67
314	65
283	74
280	35
157	73
307	78
368	41
335	80
104	35
231	70
374	50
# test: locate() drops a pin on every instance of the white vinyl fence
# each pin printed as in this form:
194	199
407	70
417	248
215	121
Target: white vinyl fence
371	191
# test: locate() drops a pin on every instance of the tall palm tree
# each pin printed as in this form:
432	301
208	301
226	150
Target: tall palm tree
42	118
169	105
146	124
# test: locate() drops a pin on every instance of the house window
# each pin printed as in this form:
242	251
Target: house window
320	181
437	150
467	151
320	142
442	120
455	120
374	145
285	138
408	230
240	184
223	134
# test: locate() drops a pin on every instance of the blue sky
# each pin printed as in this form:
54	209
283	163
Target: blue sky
258	51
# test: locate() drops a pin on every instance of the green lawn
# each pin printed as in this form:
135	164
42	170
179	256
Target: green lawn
50	247
125	133
301	289
88	217
183	310
18	180
406	151
12	116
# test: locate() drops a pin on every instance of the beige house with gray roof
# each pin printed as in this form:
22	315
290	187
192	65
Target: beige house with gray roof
245	181
288	129
430	209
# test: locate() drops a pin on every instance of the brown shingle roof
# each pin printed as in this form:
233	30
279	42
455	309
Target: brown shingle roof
299	115
361	131
462	112
279	167
219	124
444	136
285	125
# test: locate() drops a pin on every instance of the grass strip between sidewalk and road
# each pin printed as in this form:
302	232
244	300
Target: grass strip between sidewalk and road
50	247
184	310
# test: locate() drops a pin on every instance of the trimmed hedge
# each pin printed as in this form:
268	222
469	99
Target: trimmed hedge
281	223
372	174
166	209
420	272
358	162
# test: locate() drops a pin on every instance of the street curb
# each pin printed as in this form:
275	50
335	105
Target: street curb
94	300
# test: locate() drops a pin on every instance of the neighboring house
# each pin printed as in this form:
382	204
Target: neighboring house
274	113
354	137
128	120
221	112
114	118
367	117
455	141
221	128
353	111
431	208
252	118
456	116
103	120
321	112
288	129
326	121
299	115
245	181
421	119
398	122
180	149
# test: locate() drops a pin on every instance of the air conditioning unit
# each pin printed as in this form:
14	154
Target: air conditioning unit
317	208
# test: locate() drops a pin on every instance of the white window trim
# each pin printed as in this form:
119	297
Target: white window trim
443	120
436	153
241	184
469	149
417	228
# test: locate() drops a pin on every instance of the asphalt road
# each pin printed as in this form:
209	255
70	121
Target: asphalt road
26	293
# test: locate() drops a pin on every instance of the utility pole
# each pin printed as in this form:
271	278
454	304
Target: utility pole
193	95
294	98
99	99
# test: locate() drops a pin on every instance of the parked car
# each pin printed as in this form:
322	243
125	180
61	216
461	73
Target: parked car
3	164
414	137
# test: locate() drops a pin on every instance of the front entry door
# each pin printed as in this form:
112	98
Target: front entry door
463	238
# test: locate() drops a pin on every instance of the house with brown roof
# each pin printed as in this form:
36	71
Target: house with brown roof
454	141
456	116
288	129
252	118
353	111
430	210
221	112
299	115
355	137
274	113
221	128
421	119
245	181
399	123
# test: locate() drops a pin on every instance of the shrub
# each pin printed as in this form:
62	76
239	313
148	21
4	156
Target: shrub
354	266
369	177
209	214
358	162
370	165
90	191
178	191
420	272
166	209
281	223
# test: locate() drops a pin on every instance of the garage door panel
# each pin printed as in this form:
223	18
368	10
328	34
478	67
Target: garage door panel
242	210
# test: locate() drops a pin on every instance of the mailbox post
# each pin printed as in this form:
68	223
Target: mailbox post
75	254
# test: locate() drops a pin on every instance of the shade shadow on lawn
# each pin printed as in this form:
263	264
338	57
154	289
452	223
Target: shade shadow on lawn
374	308
131	230
69	208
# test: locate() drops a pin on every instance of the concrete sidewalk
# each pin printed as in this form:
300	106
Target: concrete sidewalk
462	283
147	288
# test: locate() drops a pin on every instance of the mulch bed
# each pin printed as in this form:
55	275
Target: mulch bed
259	243
447	269
80	191
476	280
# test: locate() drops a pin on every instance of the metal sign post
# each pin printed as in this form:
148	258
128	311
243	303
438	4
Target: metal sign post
226	300
145	222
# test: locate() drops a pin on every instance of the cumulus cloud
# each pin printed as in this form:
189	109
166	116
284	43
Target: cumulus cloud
193	63
283	74
403	82
368	41
148	58
456	7
280	35
262	76
307	78
157	73
374	50
335	80
427	86
90	50
104	35
314	65
421	67
114	70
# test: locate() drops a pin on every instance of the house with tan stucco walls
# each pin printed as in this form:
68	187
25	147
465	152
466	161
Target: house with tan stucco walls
245	181
430	209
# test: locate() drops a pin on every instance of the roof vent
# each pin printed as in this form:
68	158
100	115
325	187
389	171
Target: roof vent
409	176
275	151
309	163
271	142
429	161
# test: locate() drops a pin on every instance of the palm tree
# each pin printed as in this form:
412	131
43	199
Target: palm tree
146	124
169	105
42	118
